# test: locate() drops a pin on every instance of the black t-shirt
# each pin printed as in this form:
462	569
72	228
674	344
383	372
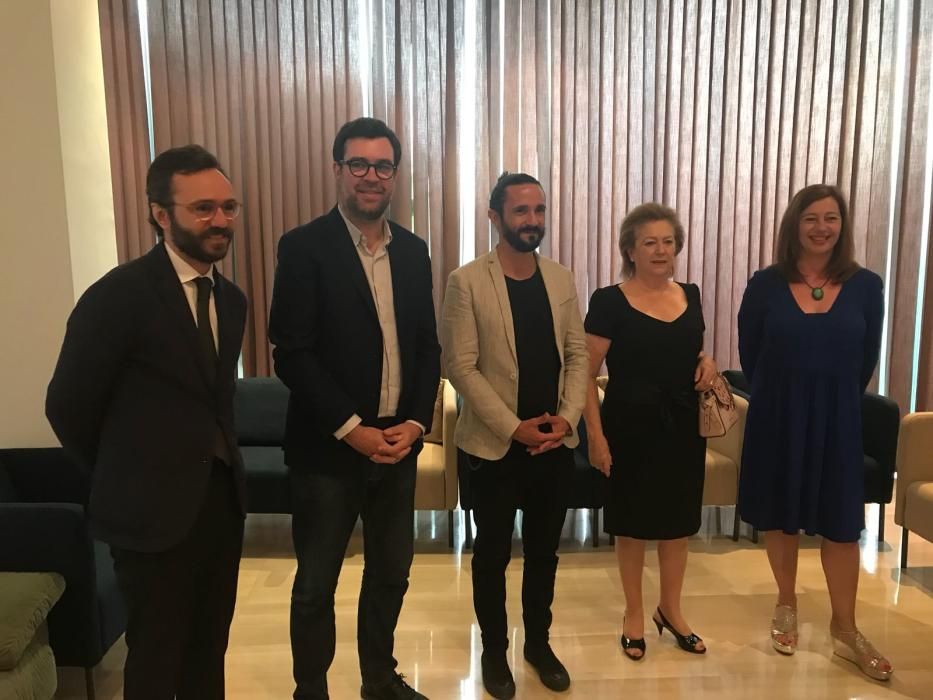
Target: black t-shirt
538	359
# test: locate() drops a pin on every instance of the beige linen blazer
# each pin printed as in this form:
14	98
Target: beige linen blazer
478	340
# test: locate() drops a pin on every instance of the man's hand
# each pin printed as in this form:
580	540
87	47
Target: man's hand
399	439
529	431
560	429
705	373
367	441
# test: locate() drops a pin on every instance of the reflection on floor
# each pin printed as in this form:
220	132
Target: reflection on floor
729	596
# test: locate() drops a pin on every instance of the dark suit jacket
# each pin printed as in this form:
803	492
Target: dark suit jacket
328	343
132	402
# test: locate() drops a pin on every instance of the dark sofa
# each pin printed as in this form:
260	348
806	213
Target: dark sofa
42	497
260	405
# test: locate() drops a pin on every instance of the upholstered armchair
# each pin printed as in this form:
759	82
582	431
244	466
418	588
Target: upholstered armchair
436	482
913	508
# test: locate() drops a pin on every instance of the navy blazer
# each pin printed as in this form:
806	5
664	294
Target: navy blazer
328	342
133	403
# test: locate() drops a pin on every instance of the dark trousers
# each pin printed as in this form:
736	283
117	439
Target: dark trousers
180	603
538	486
325	509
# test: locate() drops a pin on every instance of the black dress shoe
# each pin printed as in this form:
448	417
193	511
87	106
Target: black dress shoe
394	689
497	678
550	670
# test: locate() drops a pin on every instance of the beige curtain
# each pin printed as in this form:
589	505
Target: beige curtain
912	221
124	85
264	85
417	47
720	109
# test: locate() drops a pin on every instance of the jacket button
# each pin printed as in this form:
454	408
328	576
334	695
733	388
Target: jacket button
204	460
512	375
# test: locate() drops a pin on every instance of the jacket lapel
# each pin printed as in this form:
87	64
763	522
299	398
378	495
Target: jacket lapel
173	296
502	296
226	329
349	259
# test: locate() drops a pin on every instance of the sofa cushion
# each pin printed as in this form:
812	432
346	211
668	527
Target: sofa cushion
25	601
879	482
7	492
436	434
35	677
45	475
918	509
266	479
260	406
721	482
430	485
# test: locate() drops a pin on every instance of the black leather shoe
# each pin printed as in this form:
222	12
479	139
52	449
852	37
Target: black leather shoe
497	678
394	689
550	670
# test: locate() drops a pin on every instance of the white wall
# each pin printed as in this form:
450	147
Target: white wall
48	174
82	119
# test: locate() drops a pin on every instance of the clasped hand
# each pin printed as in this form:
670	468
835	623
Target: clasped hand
388	446
529	433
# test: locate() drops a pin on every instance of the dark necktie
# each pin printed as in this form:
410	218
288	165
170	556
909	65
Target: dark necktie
205	335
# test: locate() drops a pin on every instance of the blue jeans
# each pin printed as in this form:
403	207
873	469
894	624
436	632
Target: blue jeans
325	509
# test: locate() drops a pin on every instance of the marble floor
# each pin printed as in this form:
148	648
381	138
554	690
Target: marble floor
729	596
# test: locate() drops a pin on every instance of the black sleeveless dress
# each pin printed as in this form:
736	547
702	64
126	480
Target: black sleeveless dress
650	417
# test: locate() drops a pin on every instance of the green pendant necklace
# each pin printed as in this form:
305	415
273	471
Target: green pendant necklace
816	292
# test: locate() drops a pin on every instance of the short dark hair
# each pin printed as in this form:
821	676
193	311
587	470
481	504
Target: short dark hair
506	180
366	128
639	216
183	160
842	263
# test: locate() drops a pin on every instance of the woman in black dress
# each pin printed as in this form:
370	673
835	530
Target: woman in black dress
649	331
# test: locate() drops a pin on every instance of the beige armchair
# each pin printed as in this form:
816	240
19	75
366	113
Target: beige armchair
913	509
436	483
723	462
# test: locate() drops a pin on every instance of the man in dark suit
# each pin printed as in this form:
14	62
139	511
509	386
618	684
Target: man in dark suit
142	397
353	326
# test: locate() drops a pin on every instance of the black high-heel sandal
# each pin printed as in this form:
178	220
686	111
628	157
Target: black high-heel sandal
686	642
629	643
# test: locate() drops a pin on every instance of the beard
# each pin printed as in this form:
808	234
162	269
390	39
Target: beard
367	212
199	246
514	237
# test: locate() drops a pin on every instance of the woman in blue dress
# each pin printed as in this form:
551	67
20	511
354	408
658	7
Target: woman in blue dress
809	339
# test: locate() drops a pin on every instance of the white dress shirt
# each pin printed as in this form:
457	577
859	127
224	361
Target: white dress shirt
187	275
379	276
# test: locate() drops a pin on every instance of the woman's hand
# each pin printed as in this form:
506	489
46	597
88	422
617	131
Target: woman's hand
599	453
705	373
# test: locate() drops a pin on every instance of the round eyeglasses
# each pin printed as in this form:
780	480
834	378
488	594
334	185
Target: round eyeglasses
359	167
205	210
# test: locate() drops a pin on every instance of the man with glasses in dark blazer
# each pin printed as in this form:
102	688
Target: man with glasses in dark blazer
142	398
353	326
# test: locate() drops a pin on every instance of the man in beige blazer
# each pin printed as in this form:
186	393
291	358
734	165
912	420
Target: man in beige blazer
515	349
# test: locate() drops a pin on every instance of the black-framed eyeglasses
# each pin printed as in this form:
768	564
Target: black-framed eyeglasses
359	167
204	210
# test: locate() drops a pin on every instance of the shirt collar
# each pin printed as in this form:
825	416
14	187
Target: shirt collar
356	235
183	269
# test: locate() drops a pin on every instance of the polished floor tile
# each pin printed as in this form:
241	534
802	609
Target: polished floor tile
729	596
